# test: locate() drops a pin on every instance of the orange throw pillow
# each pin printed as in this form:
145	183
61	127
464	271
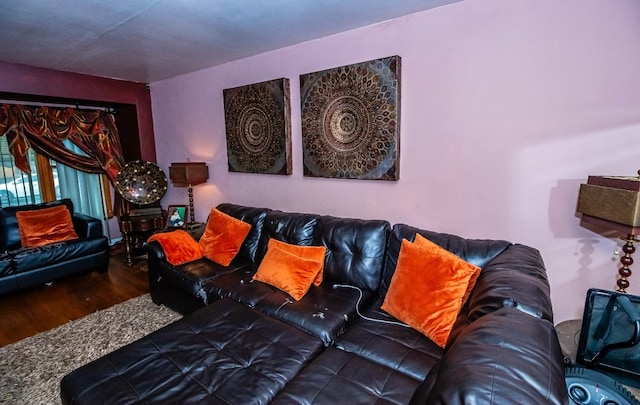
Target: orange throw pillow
47	225
425	243
223	236
428	288
315	253
178	246
287	271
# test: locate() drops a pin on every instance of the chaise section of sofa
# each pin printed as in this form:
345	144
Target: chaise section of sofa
25	267
502	346
224	353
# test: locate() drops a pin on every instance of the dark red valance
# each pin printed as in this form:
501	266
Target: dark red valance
43	129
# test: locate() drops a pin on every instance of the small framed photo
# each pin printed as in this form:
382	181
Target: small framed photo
177	216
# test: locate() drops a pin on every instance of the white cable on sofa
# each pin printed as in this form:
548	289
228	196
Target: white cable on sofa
358	305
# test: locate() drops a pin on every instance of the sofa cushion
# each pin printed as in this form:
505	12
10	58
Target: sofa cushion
290	268
240	287
195	277
222	353
355	250
26	259
9	231
381	339
223	237
6	264
339	377
178	246
428	288
475	251
46	225
254	216
324	311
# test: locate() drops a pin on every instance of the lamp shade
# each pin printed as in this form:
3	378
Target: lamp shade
189	173
611	202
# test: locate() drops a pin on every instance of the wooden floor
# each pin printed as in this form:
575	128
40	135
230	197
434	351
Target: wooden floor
42	308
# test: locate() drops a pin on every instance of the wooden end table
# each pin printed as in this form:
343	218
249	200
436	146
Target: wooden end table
135	231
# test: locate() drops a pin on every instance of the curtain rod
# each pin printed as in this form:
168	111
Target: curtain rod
76	106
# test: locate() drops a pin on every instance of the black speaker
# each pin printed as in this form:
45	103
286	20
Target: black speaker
588	387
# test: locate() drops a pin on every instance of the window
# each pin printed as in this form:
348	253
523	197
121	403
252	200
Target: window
50	181
19	188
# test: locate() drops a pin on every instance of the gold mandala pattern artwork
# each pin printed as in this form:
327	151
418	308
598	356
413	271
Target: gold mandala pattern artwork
258	127
350	121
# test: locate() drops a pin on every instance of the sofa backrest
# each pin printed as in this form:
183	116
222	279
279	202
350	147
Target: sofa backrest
9	231
475	251
289	227
253	216
355	247
355	250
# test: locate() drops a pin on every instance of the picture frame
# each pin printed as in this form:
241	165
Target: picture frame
351	121
258	127
177	216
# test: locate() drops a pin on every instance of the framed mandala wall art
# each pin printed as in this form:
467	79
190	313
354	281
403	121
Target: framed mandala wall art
351	121
258	127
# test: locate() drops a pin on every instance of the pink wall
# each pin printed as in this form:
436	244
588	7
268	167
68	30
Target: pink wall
506	108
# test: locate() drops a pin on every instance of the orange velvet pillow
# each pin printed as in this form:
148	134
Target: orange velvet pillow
428	288
47	225
425	243
287	271
178	246
315	253
223	236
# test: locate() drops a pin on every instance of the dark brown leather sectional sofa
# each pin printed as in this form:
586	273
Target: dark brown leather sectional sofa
245	342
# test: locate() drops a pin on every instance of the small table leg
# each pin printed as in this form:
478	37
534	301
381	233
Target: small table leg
135	231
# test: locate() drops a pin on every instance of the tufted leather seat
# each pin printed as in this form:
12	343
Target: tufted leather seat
223	353
390	344
338	377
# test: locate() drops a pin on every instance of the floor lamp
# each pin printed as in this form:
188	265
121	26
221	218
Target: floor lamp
613	202
189	174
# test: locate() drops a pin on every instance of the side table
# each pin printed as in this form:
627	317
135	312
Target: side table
195	229
135	231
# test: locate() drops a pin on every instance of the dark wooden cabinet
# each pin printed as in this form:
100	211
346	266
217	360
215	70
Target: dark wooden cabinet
135	232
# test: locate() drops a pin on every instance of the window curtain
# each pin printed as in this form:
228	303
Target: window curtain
44	128
84	189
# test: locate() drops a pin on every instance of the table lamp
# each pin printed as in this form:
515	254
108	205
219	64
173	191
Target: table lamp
613	202
189	174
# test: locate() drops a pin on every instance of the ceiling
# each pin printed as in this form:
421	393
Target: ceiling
150	40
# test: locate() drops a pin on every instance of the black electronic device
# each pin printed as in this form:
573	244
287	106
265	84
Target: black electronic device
588	387
610	334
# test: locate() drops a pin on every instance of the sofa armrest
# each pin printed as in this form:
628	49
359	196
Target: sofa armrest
505	357
86	226
517	274
155	252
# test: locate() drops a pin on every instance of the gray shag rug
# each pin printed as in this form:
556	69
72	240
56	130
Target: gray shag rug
31	369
